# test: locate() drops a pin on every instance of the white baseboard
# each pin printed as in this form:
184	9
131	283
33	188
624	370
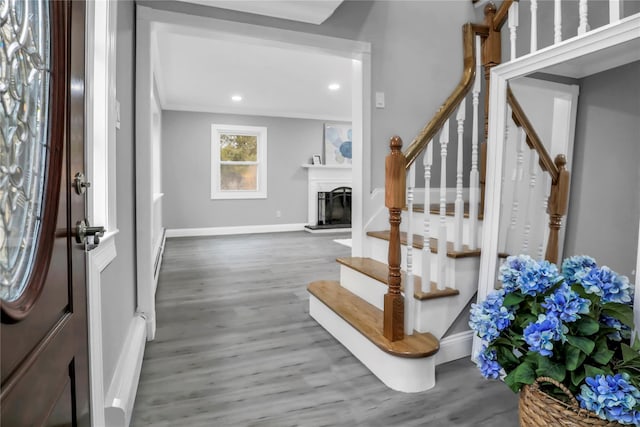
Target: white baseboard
124	385
241	229
454	347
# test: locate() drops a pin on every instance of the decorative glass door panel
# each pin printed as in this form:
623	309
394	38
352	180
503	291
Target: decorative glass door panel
24	138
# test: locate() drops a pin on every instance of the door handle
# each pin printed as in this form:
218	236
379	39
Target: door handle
84	233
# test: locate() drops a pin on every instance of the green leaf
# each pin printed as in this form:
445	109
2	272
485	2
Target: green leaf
584	344
506	355
523	374
572	358
548	368
622	312
636	342
512	299
580	290
524	320
602	355
628	353
586	326
577	377
592	371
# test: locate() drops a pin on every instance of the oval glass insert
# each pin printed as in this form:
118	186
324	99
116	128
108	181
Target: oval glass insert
24	140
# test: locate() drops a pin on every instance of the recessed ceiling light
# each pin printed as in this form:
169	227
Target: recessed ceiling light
334	86
236	98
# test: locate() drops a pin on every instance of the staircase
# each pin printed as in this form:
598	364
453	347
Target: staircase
394	308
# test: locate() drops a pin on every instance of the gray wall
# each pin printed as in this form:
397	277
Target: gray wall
186	171
416	57
119	278
605	192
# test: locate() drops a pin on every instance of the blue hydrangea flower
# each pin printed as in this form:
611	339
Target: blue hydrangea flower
576	267
527	275
612	398
541	334
608	285
487	361
622	331
489	318
513	269
566	304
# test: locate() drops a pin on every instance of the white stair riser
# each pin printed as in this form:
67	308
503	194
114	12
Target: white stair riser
459	270
418	226
398	373
433	315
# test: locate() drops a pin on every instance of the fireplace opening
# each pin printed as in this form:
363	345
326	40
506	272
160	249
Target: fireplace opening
334	209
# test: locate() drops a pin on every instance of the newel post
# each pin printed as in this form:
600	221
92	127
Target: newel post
557	207
395	189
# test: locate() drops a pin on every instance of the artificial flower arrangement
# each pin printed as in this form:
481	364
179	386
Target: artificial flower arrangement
574	327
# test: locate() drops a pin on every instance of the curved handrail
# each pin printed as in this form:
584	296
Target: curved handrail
533	140
421	141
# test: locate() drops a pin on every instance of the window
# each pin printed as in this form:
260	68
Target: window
238	162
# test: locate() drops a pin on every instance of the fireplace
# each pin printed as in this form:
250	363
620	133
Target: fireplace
334	207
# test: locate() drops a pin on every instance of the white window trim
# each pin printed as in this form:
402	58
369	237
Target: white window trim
261	133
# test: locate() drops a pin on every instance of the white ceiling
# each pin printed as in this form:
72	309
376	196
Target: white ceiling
200	72
311	11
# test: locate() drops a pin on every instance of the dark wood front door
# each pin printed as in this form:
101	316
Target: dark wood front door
43	332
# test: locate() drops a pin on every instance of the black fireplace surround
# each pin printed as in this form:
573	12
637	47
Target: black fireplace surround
334	209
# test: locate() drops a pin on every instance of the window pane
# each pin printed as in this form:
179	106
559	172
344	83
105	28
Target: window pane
239	177
238	148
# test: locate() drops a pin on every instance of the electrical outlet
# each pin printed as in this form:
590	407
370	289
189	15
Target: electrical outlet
278	214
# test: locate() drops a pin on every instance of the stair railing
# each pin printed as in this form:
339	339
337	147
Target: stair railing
399	311
560	177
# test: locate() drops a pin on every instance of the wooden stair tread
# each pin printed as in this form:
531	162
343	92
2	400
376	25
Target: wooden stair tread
450	209
418	243
380	271
367	320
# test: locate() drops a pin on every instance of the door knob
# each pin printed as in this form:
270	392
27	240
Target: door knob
84	232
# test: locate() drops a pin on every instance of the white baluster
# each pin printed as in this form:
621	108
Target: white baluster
615	12
517	179
557	21
409	301
474	177
513	25
459	204
442	232
427	161
583	10
534	25
543	220
533	178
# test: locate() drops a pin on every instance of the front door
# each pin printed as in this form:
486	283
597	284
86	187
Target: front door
42	289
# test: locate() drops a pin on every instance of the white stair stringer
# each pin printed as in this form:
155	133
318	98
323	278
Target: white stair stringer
432	315
408	375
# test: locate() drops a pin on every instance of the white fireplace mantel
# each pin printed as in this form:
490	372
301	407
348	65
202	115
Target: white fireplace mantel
324	178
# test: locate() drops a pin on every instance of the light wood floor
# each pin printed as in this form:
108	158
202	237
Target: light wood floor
235	346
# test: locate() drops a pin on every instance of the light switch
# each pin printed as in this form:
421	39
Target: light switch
379	99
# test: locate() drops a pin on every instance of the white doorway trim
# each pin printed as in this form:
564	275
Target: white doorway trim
598	50
151	21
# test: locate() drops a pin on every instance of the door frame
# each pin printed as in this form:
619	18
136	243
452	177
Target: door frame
148	22
606	47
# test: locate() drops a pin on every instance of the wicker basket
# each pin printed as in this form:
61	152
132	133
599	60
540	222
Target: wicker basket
538	409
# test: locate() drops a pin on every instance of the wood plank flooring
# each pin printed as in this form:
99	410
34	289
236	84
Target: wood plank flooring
235	346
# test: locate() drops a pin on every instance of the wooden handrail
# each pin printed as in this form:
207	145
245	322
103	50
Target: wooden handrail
421	141
533	140
502	14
